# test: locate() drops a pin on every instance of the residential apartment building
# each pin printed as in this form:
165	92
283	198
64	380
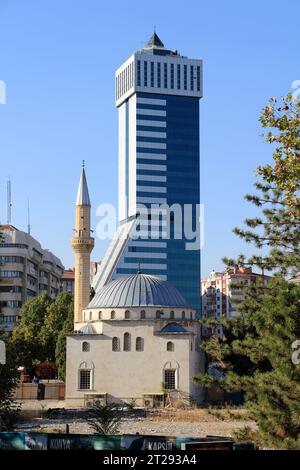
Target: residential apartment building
221	294
26	270
68	278
68	281
296	279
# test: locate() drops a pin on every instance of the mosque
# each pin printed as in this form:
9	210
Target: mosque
136	341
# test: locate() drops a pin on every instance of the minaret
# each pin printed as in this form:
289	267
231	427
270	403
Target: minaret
82	245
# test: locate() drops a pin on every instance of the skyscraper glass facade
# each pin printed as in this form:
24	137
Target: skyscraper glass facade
159	168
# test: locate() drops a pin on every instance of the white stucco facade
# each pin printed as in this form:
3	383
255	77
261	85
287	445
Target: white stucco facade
140	372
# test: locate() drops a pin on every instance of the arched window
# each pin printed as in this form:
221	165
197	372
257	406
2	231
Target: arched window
127	315
172	315
183	315
127	342
191	315
86	347
113	315
158	314
143	315
140	344
116	344
91	316
99	315
170	346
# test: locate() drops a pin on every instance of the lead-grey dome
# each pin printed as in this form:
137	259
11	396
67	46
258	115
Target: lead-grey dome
139	290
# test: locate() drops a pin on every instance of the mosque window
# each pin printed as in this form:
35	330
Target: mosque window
85	379
183	315
170	346
170	379
91	316
172	315
191	315
143	315
127	342
116	344
86	347
140	344
158	314
127	315
99	315
113	315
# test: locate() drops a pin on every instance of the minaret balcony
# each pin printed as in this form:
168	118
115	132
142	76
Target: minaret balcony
81	243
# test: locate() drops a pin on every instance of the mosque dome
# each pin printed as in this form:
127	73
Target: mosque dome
87	330
139	290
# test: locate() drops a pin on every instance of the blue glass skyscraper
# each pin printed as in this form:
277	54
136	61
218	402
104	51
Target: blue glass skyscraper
157	95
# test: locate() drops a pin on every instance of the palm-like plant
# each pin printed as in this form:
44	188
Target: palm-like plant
105	419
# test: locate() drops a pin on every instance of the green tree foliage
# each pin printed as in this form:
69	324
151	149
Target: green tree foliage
255	356
255	351
278	196
105	419
275	233
282	123
26	343
9	409
56	315
61	343
41	331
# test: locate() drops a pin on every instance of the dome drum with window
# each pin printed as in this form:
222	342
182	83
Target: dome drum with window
138	297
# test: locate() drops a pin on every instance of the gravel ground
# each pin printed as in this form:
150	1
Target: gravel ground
144	426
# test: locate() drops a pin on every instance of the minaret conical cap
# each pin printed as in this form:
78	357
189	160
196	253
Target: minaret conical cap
83	197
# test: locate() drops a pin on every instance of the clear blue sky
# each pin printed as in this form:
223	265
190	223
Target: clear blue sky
58	58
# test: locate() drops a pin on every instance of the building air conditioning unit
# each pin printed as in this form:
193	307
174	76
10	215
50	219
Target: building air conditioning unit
91	399
154	401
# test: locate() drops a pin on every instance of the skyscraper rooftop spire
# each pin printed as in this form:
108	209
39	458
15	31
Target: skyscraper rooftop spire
83	197
155	46
154	41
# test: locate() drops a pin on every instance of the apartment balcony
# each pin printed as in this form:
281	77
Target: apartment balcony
210	308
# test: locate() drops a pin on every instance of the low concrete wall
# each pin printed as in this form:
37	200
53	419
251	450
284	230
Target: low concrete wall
54	391
43	391
26	392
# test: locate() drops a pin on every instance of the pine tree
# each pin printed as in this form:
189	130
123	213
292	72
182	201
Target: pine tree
255	351
282	123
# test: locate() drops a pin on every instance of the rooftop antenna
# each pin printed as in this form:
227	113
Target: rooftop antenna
9	202
28	214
